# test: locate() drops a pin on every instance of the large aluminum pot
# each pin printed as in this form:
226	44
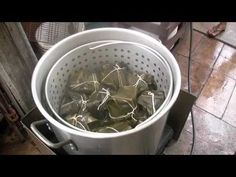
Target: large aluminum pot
141	140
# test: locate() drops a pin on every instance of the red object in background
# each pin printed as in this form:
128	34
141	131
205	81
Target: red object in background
10	114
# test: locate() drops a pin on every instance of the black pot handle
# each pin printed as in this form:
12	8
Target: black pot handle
50	144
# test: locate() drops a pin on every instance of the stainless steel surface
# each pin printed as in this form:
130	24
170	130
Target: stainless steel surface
34	128
140	142
144	139
35	115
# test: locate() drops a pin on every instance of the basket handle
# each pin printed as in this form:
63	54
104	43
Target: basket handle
34	128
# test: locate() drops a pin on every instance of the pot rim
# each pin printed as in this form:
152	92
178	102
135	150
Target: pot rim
155	117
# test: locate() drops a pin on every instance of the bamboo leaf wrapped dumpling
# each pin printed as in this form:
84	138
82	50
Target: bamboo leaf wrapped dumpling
149	79
72	103
112	100
140	114
151	100
145	81
96	104
122	104
81	120
84	81
113	76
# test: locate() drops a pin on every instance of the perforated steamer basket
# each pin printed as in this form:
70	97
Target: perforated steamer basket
92	55
141	140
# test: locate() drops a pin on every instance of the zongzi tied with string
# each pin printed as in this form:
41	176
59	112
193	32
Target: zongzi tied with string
110	99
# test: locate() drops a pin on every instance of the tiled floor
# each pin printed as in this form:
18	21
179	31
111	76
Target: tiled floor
213	82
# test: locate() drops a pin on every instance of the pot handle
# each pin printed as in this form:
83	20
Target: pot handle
34	128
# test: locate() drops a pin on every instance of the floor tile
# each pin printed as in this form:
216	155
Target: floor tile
199	72
226	66
212	130
183	146
183	47
207	51
180	147
196	87
206	148
183	64
216	93
228	52
230	113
